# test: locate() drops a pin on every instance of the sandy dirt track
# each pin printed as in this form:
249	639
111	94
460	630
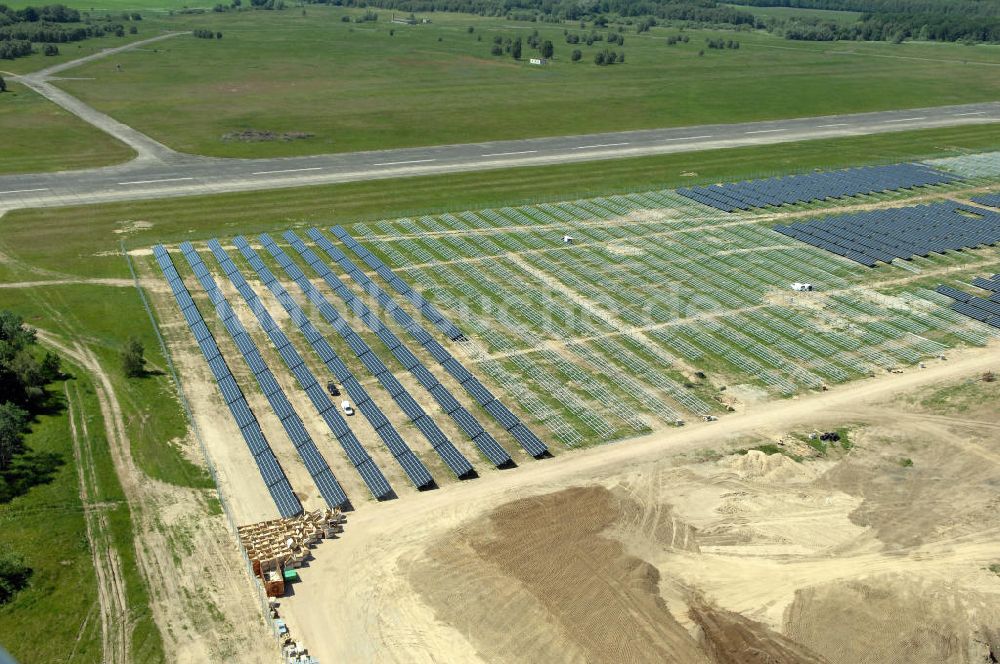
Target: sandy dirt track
199	589
640	551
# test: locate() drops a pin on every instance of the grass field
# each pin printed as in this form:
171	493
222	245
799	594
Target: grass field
40	136
56	619
355	87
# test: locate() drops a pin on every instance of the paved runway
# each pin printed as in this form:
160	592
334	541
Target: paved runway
173	174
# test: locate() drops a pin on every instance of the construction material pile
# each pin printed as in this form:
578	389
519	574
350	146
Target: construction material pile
285	542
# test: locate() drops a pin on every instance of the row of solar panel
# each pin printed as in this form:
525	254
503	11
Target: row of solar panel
313	460
451	456
483	440
400	451
990	200
274	477
986	311
427	310
883	235
815	186
362	462
510	422
991	284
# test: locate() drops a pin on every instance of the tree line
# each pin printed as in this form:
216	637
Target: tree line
25	370
51	25
882	20
46	14
701	11
891	20
58	34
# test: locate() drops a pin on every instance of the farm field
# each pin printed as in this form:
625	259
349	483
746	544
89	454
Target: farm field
30	123
365	89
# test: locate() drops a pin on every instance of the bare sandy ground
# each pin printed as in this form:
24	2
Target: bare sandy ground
648	550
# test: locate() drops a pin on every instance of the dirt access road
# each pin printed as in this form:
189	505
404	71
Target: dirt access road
750	549
201	596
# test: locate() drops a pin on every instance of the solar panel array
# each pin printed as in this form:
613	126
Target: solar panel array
792	189
367	469
479	436
991	284
508	420
978	308
363	463
313	460
883	235
426	309
270	471
411	465
990	200
465	420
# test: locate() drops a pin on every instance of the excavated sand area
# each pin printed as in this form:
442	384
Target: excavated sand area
687	552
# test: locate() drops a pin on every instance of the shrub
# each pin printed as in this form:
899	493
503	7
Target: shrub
14	575
133	360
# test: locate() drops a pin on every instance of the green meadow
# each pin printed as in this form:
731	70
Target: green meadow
340	87
40	136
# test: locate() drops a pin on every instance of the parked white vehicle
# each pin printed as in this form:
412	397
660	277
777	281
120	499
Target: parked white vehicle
346	406
802	287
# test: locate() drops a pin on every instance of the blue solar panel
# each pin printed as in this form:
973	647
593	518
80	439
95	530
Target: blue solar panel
230	390
437	351
425	377
887	234
373	414
210	350
274	478
815	186
528	440
254	438
990	200
418	333
460	373
447	402
409	406
491	448
372	363
405	357
506	419
467	422
478	392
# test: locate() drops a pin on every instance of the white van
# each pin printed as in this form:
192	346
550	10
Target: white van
347	407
